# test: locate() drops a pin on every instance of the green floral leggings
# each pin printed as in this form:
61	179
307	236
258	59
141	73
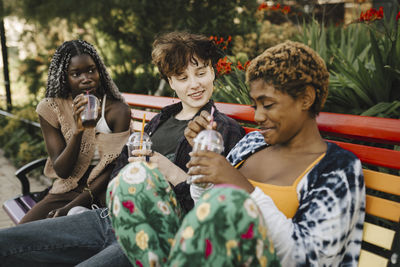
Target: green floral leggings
225	228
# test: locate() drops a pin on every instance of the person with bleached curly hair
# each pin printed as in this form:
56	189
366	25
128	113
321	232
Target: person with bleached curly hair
310	192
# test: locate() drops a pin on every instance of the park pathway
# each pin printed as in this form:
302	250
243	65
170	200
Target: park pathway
10	187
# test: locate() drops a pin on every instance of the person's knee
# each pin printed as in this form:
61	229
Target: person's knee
224	194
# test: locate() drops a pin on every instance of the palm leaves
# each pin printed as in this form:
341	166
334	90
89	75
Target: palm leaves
363	63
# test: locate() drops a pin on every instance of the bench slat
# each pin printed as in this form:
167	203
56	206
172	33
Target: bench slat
235	111
382	182
378	235
373	155
148	101
137	114
351	126
242	113
360	127
382	208
369	259
136	126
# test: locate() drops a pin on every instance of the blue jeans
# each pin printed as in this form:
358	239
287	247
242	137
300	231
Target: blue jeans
84	239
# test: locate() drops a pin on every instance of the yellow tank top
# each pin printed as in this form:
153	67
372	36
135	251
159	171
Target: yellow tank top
284	197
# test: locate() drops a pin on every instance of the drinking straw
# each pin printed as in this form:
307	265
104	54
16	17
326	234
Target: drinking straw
211	123
88	104
212	116
141	133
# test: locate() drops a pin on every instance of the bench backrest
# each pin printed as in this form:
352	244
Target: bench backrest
371	139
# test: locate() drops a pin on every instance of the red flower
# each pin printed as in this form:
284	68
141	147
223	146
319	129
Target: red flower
221	40
262	6
276	7
129	205
398	16
249	234
371	14
379	14
223	66
138	263
208	248
242	67
286	10
239	66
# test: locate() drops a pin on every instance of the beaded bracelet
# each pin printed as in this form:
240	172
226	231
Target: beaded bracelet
90	193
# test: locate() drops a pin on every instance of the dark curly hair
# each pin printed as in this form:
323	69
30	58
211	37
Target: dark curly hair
290	67
57	83
173	51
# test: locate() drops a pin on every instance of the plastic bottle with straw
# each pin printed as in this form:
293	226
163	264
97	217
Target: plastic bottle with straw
139	141
209	140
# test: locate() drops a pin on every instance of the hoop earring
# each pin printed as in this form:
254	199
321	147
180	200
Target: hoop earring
173	97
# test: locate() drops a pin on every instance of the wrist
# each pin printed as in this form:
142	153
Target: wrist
68	206
250	188
178	176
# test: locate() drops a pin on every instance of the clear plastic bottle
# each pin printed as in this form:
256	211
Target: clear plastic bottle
209	140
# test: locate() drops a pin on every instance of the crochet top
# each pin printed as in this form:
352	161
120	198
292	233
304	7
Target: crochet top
58	113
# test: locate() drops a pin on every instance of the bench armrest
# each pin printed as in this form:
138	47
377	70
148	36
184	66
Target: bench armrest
24	170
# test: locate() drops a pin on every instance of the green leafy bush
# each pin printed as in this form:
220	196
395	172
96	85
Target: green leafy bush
21	142
362	59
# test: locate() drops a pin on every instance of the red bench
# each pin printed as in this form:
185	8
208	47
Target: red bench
381	244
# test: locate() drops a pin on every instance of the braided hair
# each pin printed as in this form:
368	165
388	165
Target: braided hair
57	83
291	67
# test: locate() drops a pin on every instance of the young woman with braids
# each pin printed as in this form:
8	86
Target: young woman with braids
79	158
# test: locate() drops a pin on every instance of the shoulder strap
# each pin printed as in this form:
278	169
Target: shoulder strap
104	105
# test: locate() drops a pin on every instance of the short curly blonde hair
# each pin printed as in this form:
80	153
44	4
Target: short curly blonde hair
290	67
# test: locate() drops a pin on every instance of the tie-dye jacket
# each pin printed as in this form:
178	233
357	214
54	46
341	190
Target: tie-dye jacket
327	227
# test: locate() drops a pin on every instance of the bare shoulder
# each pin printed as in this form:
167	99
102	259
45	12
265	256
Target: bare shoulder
118	106
118	115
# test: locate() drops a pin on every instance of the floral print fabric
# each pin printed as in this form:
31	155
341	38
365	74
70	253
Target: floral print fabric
225	228
144	213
